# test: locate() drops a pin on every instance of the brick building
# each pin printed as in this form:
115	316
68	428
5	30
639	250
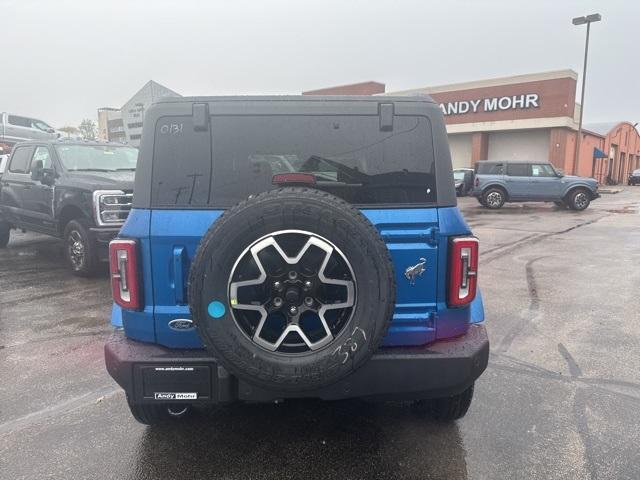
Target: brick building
524	117
620	144
364	88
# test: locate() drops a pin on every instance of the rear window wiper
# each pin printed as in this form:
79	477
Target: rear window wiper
129	169
91	170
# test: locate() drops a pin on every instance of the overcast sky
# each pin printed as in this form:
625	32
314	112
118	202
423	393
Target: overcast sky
61	60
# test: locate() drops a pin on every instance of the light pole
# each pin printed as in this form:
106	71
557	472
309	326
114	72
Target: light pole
595	17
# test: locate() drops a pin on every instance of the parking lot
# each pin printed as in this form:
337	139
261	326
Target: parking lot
560	398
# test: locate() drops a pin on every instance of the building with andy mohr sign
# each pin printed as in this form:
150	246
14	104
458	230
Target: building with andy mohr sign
529	100
531	117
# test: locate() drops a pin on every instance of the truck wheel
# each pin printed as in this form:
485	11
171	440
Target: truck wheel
156	414
493	198
5	232
292	289
579	199
447	408
80	248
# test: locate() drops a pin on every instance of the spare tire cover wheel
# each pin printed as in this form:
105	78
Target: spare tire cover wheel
292	289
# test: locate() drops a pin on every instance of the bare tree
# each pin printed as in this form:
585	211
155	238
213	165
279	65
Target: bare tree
88	129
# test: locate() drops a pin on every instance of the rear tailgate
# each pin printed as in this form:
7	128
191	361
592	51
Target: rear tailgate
412	238
410	234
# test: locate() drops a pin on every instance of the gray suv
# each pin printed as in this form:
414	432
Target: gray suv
499	182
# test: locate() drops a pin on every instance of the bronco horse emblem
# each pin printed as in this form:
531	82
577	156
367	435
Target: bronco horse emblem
415	271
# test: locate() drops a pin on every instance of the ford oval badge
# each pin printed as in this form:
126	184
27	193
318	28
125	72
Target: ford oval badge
181	324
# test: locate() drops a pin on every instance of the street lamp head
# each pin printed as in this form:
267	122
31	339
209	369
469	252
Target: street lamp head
594	17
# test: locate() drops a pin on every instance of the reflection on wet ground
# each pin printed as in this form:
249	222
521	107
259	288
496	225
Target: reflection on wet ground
304	439
559	399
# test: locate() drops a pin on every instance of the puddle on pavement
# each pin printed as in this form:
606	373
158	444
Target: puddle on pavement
627	209
513	210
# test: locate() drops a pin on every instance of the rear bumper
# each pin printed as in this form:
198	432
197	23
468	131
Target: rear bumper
150	373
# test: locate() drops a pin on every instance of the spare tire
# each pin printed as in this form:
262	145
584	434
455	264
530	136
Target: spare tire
292	289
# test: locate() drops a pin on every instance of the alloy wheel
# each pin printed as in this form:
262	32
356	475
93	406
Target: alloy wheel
292	291
494	199
581	200
76	249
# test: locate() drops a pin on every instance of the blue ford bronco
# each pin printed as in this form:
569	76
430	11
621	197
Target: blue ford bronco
295	247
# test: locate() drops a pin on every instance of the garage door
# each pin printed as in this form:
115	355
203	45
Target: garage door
528	145
460	146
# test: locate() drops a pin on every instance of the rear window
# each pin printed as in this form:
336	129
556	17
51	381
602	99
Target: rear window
486	168
349	156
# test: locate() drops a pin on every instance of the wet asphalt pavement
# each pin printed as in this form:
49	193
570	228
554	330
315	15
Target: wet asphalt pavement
560	399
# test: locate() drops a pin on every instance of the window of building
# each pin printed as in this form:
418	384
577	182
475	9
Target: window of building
135	125
136	136
518	169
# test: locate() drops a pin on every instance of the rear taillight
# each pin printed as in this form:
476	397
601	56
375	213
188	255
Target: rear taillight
125	282
463	270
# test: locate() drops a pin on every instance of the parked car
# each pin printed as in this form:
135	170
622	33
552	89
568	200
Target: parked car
500	182
463	179
17	128
79	191
346	271
634	178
